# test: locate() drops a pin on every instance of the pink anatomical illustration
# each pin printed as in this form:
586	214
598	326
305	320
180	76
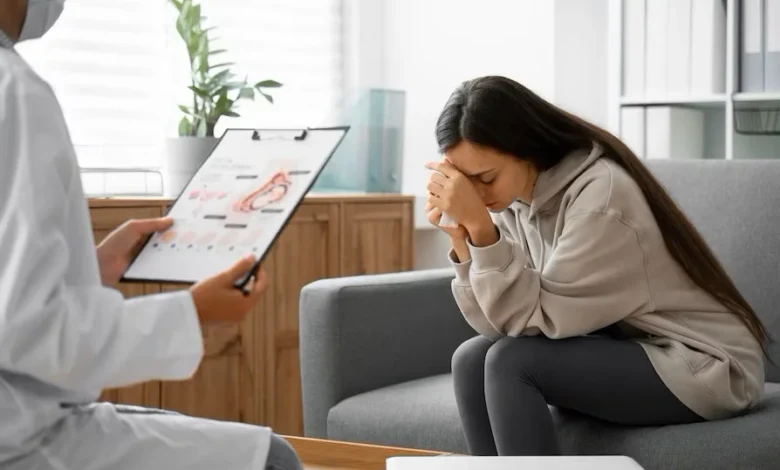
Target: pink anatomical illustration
187	238
228	238
271	192
206	239
202	196
206	194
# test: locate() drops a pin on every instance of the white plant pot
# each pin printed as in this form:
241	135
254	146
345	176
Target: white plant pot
183	156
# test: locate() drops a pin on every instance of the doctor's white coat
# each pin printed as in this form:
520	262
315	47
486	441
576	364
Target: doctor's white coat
64	337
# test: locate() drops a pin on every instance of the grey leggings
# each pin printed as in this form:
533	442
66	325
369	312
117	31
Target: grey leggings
503	390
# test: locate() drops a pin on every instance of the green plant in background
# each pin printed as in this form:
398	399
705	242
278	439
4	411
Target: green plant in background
215	89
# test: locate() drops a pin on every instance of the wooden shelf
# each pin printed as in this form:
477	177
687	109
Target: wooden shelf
767	97
699	101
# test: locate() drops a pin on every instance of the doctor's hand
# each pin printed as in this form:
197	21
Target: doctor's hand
218	301
116	251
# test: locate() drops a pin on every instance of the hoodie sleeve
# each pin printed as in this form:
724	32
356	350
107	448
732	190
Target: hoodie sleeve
467	301
595	277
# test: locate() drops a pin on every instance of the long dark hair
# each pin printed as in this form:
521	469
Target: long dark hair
501	114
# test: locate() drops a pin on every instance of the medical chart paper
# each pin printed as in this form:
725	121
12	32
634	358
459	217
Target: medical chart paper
237	203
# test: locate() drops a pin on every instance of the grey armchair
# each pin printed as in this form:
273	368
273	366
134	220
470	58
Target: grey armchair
376	350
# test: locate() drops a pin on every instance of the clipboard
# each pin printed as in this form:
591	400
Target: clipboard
237	203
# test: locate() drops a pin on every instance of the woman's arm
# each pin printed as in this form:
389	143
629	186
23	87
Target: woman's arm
460	258
595	277
461	250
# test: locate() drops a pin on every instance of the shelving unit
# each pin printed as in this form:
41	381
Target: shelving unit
768	97
722	140
704	101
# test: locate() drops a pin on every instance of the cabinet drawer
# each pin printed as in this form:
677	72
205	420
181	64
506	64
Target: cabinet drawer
112	217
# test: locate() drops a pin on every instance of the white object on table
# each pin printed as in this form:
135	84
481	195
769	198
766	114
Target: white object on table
447	221
607	462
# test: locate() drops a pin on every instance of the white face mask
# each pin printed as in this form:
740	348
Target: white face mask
41	16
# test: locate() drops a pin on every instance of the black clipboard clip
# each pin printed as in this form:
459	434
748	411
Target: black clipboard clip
280	134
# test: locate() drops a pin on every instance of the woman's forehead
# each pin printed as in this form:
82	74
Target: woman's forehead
472	159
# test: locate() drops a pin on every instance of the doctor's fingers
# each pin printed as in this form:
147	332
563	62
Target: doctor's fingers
259	287
237	270
148	226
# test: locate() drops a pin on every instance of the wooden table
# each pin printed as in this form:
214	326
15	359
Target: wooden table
318	454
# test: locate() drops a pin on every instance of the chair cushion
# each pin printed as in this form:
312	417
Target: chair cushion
423	414
420	414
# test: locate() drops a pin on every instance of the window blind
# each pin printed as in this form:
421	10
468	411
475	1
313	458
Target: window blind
119	69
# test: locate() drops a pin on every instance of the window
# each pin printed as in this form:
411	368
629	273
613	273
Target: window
119	69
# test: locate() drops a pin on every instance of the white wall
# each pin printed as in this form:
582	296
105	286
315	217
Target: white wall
581	59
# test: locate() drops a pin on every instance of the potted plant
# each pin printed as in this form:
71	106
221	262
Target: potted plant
216	90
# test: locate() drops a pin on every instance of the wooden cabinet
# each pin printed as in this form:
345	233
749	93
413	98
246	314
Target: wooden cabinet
251	372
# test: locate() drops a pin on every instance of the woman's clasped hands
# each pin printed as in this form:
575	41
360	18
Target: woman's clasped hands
450	191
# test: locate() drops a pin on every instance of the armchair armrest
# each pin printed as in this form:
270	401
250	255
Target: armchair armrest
362	333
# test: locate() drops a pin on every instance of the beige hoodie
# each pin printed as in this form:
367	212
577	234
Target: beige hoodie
586	254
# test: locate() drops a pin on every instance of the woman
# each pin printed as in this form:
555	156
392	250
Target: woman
589	288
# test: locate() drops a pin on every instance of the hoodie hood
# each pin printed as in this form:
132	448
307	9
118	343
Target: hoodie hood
551	182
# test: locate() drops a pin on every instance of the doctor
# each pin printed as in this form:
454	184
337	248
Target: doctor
66	334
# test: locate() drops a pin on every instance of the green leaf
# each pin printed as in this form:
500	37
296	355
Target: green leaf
193	15
186	7
268	97
181	28
234	85
217	51
178	4
202	128
268	84
223	64
203	46
222	101
224	109
200	92
189	112
246	92
220	77
231	114
185	127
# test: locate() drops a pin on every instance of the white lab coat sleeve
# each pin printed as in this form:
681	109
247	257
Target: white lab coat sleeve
76	335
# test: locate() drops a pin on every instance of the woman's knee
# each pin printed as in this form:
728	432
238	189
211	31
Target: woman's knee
469	358
282	456
521	357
